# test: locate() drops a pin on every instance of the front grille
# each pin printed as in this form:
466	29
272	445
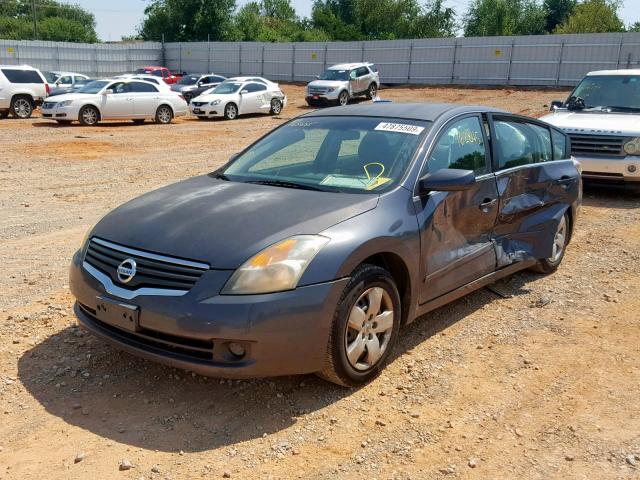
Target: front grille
191	348
48	105
152	270
596	145
198	104
318	90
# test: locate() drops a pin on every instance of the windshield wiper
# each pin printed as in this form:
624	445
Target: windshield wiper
282	183
221	176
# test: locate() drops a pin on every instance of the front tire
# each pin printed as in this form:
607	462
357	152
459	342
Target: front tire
343	98
231	111
276	106
164	115
560	240
21	107
89	116
365	328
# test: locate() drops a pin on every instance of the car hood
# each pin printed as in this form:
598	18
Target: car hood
595	122
212	96
326	83
224	223
74	96
180	88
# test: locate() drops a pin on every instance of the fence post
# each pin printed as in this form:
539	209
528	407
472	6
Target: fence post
362	53
513	46
164	52
560	62
410	62
455	56
208	53
262	62
293	61
240	59
95	57
326	50
180	68
619	50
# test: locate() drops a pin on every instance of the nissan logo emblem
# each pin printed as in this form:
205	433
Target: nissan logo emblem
127	270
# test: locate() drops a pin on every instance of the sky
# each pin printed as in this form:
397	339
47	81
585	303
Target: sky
116	18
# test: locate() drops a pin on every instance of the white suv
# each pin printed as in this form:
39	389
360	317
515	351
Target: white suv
22	88
340	83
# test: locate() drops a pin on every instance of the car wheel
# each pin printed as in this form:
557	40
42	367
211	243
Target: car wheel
89	116
231	111
372	92
164	115
138	121
365	327
560	240
343	98
21	107
276	106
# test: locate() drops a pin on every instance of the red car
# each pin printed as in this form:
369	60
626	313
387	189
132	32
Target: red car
163	72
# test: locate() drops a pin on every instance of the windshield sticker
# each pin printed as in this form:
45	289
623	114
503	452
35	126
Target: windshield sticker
301	124
399	128
361	183
466	136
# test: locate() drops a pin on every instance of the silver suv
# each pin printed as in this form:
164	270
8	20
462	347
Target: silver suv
22	88
340	83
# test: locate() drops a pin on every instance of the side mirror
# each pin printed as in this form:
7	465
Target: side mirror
447	180
555	105
108	91
244	92
317	77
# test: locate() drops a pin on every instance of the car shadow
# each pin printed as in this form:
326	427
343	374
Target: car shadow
609	197
110	393
106	124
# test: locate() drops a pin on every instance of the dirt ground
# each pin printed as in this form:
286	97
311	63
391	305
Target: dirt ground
537	377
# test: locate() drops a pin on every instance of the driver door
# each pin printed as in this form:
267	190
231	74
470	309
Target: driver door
253	100
118	104
456	227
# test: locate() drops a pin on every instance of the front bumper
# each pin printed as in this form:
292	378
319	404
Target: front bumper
60	113
610	169
283	333
322	98
207	110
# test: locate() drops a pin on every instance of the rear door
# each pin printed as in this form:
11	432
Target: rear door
537	183
456	227
145	99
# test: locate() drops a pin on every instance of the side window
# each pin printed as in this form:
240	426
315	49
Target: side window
157	73
165	73
119	87
217	79
461	146
559	145
22	76
362	71
521	144
353	74
140	87
66	80
255	87
373	68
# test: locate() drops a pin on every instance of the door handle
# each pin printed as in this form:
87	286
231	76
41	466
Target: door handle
564	181
487	204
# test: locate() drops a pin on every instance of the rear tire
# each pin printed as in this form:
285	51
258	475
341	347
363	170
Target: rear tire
276	106
364	329
22	106
89	116
164	115
560	240
231	111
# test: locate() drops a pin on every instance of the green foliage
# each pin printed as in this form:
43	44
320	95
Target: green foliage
188	20
56	21
504	17
557	12
593	16
634	28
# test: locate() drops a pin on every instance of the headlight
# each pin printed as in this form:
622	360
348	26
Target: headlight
329	90
66	103
215	102
277	268
632	147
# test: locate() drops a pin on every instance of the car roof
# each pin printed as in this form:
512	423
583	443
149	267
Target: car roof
631	71
409	111
18	67
349	66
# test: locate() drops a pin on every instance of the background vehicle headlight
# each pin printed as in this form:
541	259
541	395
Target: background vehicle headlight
66	103
215	102
632	147
276	268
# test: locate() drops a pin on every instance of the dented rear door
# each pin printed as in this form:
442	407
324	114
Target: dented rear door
536	182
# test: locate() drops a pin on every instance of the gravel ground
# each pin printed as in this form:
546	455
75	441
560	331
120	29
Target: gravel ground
536	377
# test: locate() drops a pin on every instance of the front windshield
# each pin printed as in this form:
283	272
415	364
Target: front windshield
614	91
93	87
334	75
225	88
350	154
188	80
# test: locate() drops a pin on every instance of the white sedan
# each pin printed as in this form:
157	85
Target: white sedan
232	98
116	99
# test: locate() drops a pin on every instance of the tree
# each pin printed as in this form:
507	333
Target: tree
336	18
557	12
56	21
188	20
504	17
593	16
634	28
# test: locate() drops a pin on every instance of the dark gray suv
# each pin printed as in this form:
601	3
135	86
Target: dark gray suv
309	249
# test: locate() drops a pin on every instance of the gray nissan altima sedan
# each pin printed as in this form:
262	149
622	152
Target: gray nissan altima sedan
309	249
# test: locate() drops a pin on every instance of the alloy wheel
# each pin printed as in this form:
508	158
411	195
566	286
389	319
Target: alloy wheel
22	107
369	328
89	116
232	112
559	241
164	115
343	99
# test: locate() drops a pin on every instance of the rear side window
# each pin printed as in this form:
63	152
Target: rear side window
373	68
362	71
141	87
559	145
22	76
461	146
521	144
255	87
217	79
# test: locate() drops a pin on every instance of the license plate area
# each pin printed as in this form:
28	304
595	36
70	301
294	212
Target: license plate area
197	110
316	97
118	314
